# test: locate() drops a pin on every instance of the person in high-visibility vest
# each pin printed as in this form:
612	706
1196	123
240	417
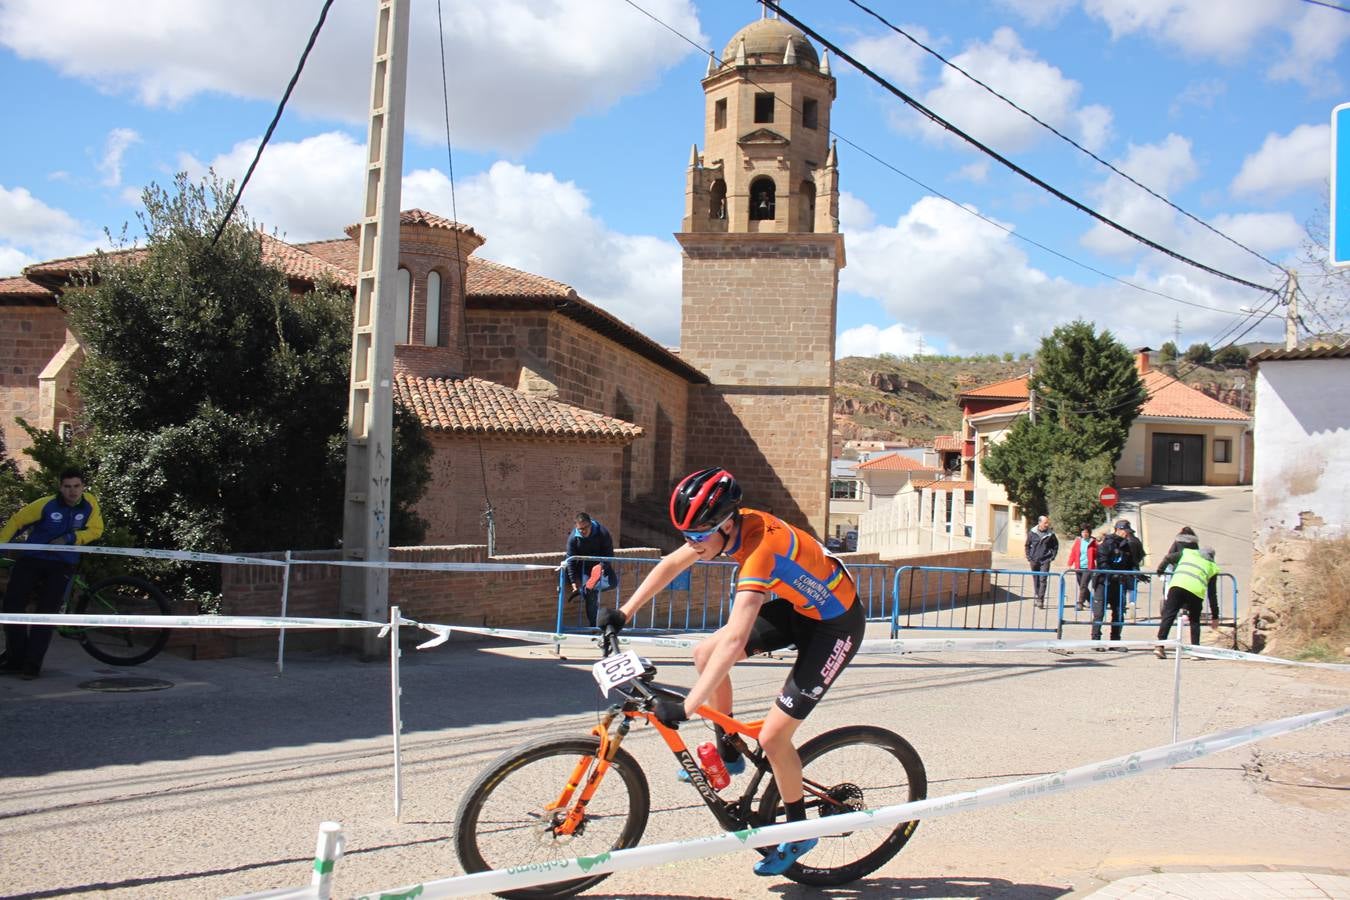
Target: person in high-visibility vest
1193	575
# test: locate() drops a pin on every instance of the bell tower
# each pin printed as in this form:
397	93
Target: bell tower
761	261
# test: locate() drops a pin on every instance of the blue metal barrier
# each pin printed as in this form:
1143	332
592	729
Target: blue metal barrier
697	600
1144	601
952	599
873	582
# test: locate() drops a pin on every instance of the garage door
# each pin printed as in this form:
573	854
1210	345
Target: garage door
1178	459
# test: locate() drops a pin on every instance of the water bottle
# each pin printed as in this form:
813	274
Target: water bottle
713	767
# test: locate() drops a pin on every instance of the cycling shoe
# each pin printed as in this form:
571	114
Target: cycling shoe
779	859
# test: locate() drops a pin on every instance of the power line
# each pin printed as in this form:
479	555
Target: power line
1328	5
995	155
939	194
295	79
916	42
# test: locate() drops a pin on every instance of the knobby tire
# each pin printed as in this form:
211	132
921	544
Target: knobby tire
122	595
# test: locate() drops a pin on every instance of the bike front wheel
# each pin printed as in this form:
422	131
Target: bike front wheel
847	770
505	821
122	595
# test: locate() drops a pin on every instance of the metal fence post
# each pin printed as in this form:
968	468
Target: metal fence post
328	852
285	594
394	692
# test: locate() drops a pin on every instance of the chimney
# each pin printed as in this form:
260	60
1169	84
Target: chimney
1141	359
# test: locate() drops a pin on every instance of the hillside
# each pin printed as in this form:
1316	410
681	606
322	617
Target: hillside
893	399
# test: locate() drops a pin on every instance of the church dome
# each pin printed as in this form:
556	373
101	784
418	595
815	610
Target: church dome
766	42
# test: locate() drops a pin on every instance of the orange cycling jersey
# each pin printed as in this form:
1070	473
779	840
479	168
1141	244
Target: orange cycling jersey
777	558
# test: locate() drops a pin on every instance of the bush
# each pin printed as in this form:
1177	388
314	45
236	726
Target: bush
1317	619
1071	490
1231	356
1199	354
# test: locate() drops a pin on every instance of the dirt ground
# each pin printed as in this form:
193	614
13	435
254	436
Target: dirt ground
216	785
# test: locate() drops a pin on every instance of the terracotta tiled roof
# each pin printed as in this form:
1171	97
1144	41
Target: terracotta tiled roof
946	442
341	252
1010	389
1169	398
421	217
1306	353
894	462
21	288
300	265
944	485
473	406
492	279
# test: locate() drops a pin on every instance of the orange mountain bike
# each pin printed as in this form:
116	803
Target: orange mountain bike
559	798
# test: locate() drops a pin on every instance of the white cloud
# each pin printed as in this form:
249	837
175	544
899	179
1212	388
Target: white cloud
869	340
1201	93
1165	167
1040	12
1315	38
977	172
537	65
119	139
531	220
1286	163
967	285
893	56
31	231
1020	75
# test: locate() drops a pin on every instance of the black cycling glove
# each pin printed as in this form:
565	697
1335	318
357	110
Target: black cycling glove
611	619
670	713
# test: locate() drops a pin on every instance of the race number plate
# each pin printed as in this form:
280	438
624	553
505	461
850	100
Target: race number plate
616	670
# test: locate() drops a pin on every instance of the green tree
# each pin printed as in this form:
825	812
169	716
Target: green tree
1087	395
214	395
1231	356
1071	491
1167	353
1198	354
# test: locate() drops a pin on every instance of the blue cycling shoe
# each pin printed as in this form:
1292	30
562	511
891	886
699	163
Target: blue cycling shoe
735	767
778	860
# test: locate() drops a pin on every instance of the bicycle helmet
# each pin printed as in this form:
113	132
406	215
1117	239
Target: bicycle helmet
704	500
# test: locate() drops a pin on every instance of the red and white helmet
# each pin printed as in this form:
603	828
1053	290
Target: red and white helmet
704	500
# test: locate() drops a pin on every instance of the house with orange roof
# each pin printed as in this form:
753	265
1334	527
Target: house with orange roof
1182	436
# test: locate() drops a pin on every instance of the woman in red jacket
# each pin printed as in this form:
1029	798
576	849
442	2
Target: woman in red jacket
1083	559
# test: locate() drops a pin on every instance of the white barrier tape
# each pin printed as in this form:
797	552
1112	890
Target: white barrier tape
1220	653
717	844
427	567
94	621
443	633
181	555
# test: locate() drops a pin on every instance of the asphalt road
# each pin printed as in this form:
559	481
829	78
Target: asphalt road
215	786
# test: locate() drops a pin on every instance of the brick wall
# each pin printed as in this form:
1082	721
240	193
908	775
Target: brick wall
536	489
29	337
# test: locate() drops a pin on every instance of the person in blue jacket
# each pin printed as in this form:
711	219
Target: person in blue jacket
590	538
70	516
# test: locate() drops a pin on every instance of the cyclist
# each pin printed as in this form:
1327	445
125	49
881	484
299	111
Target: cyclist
812	607
70	516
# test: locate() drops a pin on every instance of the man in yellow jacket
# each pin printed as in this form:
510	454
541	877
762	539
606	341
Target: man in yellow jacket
67	517
1193	575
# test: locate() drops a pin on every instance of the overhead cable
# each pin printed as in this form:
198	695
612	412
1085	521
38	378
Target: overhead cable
295	79
995	155
947	62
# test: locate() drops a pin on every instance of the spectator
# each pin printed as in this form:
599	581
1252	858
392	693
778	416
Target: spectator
1193	576
69	516
1082	560
1042	548
590	538
1119	554
1185	538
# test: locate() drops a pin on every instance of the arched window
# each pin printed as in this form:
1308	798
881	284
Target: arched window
433	337
808	201
717	200
402	306
763	199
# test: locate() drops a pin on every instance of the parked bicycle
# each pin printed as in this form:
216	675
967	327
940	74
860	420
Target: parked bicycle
126	595
558	798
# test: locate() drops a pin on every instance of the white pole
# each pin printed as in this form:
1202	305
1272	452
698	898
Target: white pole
281	632
1176	687
326	854
394	690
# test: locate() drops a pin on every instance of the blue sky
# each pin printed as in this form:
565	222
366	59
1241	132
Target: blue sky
572	122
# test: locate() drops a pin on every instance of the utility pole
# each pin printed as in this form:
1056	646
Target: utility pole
1291	311
1176	331
365	524
1031	395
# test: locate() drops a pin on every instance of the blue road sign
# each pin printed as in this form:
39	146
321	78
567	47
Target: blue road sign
1340	185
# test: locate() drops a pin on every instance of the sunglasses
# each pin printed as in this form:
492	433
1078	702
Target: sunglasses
698	537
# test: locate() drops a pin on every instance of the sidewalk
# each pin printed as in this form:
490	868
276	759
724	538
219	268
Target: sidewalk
1221	885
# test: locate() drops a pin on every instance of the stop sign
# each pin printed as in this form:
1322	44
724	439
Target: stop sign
1107	497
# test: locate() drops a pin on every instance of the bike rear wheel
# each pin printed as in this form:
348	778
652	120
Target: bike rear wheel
502	820
858	767
124	595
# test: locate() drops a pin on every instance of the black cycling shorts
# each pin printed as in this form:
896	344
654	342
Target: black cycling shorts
824	647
